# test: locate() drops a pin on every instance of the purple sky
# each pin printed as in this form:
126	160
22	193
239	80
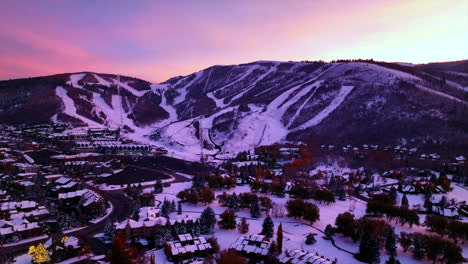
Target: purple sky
156	40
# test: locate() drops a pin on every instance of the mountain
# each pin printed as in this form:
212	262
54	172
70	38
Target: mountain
237	107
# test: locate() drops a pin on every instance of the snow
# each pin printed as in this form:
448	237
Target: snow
108	212
254	130
70	108
424	88
183	90
23	259
128	87
296	230
345	90
75	78
101	80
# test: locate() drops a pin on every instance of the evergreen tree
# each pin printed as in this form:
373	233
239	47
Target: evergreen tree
390	243
172	207
368	249
341	194
198	182
393	195
196	230
268	227
228	220
158	187
179	208
255	208
207	221
109	230
243	226
234	202
404	201
443	203
329	231
279	238
161	236
310	239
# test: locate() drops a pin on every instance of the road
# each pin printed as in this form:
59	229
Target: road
121	210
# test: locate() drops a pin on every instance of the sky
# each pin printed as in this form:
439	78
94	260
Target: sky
159	39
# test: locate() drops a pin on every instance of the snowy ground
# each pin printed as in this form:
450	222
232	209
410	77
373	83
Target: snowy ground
296	230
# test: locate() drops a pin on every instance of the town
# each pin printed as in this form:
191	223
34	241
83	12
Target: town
90	195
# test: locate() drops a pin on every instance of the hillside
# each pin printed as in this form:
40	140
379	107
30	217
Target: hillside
242	106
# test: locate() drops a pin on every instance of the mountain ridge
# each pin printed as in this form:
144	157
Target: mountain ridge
263	102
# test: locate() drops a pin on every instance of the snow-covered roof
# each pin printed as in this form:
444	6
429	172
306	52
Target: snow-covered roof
22	205
187	243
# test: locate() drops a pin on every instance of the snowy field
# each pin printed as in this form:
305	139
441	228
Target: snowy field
296	230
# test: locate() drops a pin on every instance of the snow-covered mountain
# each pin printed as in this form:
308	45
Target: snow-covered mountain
238	107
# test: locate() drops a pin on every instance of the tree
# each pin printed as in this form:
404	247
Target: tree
299	208
310	239
341	194
161	236
214	243
179	208
234	202
329	231
109	230
243	226
158	187
255	208
120	251
405	241
390	243
279	238
404	201
345	224
368	249
207	195
228	220
207	221
393	195
268	227
39	254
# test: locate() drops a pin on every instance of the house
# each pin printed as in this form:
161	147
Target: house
17	229
73	198
27	167
22	206
187	247
33	216
252	246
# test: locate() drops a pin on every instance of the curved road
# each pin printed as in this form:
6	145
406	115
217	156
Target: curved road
121	210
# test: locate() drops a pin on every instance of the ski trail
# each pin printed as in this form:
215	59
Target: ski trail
277	106
261	77
291	121
70	108
102	81
345	90
129	88
75	78
183	92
